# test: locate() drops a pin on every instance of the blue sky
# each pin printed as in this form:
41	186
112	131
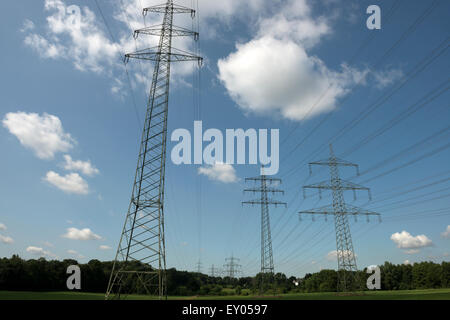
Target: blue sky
70	131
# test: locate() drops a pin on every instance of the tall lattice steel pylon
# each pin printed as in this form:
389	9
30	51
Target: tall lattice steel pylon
231	267
140	261
340	210
264	201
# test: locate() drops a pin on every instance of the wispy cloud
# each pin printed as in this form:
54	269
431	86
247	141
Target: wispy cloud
446	233
74	253
5	239
37	251
78	40
85	167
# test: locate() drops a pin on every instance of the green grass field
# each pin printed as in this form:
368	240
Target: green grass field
429	294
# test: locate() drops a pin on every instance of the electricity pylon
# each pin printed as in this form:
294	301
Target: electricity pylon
264	201
340	210
214	272
231	267
199	267
140	261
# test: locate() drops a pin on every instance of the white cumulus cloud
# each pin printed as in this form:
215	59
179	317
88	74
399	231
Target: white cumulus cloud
84	167
275	74
6	239
105	247
221	172
295	22
44	134
70	183
269	75
404	240
2	227
81	234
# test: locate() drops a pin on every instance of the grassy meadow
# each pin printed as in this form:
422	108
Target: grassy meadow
426	294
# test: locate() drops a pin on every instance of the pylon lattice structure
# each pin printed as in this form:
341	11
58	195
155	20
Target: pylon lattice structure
231	267
140	261
214	271
266	239
199	267
340	210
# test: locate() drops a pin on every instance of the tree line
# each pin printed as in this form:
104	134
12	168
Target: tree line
17	274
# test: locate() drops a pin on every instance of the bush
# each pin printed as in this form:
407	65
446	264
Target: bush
246	292
228	292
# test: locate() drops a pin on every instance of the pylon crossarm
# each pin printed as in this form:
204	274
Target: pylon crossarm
344	185
272	202
333	162
265	178
269	190
149	54
163	7
347	185
158	30
360	211
325	210
350	211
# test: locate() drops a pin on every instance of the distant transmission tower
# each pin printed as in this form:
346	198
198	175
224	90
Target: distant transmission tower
340	210
264	201
214	271
140	261
231	266
199	267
